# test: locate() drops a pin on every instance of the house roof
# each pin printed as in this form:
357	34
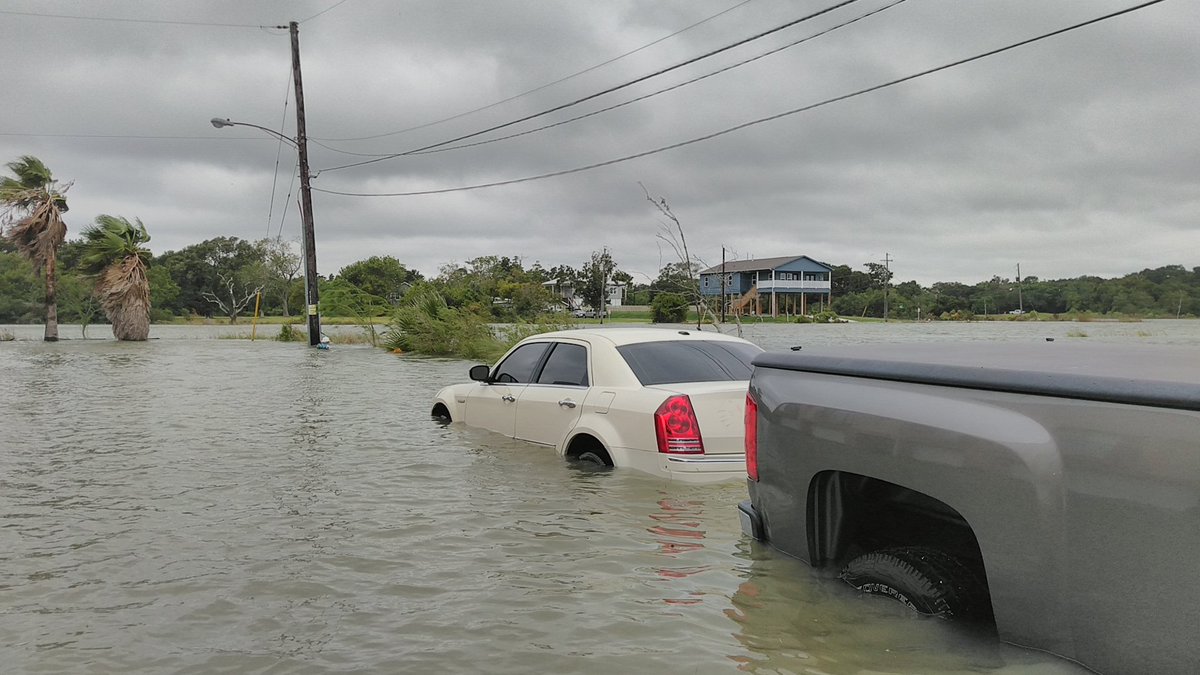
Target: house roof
760	264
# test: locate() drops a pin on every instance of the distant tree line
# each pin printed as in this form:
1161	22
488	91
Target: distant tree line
224	277
1165	292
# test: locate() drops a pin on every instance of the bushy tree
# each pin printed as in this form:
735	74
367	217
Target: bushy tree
208	268
381	276
669	308
282	263
20	291
594	278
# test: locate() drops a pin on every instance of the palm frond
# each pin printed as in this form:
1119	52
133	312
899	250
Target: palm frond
111	240
31	184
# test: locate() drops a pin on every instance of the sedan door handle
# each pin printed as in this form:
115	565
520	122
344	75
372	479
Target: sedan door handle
508	397
567	403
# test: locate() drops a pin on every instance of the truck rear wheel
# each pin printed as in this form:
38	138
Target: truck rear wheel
925	580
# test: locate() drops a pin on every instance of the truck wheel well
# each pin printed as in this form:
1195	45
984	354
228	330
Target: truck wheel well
851	514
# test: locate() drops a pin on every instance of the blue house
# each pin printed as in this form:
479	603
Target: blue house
788	285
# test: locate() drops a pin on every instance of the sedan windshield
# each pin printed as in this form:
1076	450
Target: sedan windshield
690	361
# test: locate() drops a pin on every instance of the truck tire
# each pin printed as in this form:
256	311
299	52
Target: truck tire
925	580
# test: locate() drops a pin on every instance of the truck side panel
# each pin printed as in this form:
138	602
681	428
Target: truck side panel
970	456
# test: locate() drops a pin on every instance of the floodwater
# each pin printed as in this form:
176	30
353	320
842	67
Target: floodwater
199	505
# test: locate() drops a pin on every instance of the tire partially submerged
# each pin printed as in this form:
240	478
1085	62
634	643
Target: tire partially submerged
926	580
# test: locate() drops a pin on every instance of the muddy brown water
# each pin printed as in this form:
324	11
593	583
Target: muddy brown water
199	505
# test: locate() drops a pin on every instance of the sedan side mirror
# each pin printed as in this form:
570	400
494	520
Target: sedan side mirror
480	373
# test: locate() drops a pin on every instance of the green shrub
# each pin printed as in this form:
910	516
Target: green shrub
161	315
289	333
427	325
668	308
826	316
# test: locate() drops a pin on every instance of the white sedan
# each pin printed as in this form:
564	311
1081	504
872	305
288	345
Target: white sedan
668	402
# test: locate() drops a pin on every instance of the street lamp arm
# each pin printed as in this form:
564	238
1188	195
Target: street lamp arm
219	122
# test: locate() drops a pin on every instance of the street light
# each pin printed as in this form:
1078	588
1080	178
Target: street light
310	247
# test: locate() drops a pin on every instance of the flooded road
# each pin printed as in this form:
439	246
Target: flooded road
196	505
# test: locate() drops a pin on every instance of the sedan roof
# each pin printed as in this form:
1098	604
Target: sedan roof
628	336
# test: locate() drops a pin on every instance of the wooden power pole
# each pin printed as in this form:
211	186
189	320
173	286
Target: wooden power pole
306	214
887	281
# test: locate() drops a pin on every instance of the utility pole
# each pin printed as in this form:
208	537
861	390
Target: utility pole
603	283
887	281
306	214
1020	299
722	284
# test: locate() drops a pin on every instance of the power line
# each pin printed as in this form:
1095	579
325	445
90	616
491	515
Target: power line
535	89
651	94
125	20
288	200
751	123
618	87
278	154
127	136
327	9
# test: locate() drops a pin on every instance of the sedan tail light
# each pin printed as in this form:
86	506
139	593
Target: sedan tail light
751	437
676	427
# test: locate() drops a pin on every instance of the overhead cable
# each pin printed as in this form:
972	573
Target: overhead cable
751	123
530	91
123	20
287	95
610	90
327	9
653	93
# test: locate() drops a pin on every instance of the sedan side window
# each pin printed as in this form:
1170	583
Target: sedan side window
519	365
567	365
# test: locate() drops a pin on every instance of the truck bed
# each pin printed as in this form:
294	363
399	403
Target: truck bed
1153	375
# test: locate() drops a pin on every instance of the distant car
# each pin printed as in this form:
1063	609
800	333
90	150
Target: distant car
667	402
1016	311
589	314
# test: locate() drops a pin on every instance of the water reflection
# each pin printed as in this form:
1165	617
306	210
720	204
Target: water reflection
678	533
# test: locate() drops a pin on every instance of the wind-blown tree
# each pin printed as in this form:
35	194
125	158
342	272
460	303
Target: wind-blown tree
115	255
33	204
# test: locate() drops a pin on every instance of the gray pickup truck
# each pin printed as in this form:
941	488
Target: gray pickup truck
1049	488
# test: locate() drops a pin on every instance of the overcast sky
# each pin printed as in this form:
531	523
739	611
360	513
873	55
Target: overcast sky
1078	154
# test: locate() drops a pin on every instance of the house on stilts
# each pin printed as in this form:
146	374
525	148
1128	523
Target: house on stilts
789	285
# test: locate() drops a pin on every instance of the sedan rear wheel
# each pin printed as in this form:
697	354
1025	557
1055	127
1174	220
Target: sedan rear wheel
597	457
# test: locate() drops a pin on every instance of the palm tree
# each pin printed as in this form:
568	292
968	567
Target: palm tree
115	256
33	203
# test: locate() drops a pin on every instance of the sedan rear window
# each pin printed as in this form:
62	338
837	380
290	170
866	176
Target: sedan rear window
690	361
567	365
